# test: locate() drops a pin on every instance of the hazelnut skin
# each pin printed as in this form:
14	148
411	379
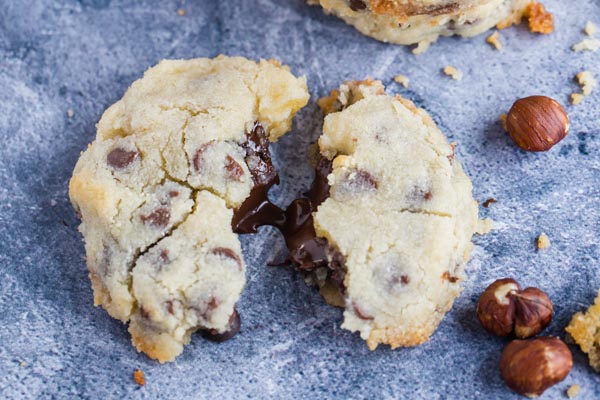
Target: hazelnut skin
529	367
496	308
533	312
537	123
503	308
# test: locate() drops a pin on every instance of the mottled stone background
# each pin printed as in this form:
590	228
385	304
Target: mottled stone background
82	55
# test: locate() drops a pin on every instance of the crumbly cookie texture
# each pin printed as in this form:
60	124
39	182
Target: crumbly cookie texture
584	328
157	188
424	21
399	218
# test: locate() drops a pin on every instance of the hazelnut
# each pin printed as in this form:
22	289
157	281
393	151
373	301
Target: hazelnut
537	123
503	308
533	312
529	367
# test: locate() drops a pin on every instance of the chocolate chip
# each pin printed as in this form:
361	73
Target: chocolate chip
357	5
173	193
420	194
360	313
169	306
233	328
164	256
120	158
360	181
443	9
145	314
233	168
159	217
204	311
489	201
197	160
227	253
446	276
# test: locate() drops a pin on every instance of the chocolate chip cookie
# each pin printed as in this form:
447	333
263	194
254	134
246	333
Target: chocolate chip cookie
173	162
386	229
423	21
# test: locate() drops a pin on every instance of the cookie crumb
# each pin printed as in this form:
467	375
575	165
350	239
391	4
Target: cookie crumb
587	45
453	72
587	82
181	12
70	113
138	377
484	226
421	47
543	241
503	120
489	201
494	40
576	98
540	20
402	80
590	28
573	391
22	364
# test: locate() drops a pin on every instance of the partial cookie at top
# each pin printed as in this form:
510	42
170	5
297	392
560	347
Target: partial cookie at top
423	21
398	222
158	188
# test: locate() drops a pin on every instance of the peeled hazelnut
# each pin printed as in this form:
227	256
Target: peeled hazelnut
529	367
537	123
503	308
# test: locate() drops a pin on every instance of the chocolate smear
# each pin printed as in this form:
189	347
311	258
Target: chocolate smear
233	328
258	210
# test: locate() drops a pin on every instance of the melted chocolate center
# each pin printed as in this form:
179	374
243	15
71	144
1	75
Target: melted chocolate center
306	250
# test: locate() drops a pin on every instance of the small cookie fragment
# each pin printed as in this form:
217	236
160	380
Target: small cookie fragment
573	391
584	328
503	118
402	80
577	98
70	113
494	40
539	20
587	45
590	28
587	82
543	241
138	377
452	72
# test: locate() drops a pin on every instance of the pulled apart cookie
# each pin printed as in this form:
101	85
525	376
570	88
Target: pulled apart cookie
157	190
386	229
423	21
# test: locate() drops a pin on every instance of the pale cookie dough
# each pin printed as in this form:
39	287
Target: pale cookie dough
423	21
157	189
399	218
584	329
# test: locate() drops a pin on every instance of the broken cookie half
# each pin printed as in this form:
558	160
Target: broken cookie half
386	229
172	164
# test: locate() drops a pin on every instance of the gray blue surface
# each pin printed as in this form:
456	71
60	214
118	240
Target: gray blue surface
82	55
